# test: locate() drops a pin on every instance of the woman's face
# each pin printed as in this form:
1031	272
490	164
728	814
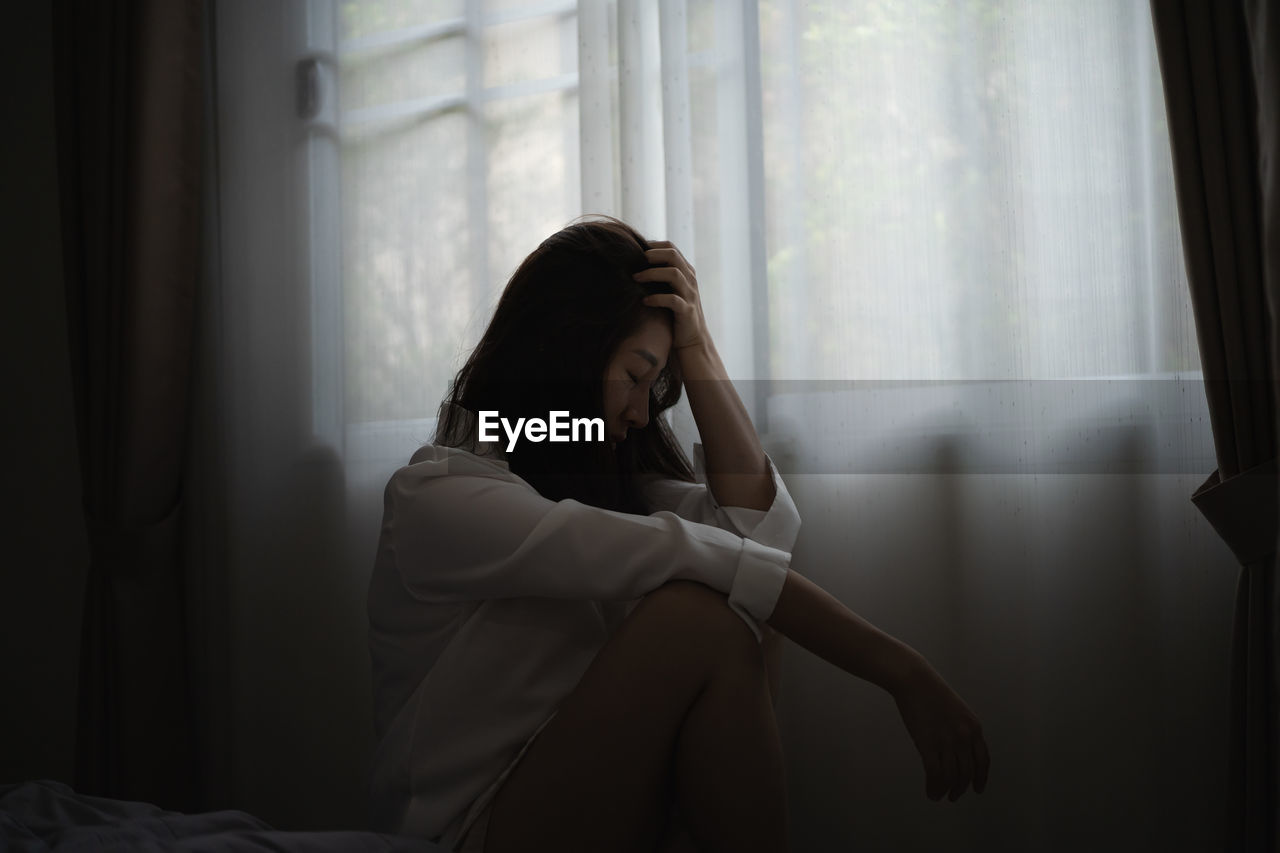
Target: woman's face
630	373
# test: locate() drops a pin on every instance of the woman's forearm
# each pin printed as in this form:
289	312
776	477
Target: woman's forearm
945	731
808	615
737	470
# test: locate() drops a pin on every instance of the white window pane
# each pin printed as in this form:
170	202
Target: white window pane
365	18
524	50
405	267
976	190
533	175
433	69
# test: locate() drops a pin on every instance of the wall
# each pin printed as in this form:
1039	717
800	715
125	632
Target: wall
1058	577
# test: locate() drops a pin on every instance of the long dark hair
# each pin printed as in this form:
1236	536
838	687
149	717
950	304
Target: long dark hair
565	310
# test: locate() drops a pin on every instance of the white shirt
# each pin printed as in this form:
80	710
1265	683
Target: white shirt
488	602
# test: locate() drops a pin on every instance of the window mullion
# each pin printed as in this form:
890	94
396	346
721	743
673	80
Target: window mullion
477	160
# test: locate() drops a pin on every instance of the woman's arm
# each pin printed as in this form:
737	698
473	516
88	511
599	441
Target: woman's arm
945	731
737	471
812	617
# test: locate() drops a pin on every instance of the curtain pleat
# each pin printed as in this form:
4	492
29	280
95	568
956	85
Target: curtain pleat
130	124
1221	107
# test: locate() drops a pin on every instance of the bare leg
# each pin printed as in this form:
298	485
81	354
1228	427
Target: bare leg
729	765
676	703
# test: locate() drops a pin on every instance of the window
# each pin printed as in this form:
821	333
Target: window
920	191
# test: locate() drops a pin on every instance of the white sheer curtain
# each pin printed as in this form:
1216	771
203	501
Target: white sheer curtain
938	248
870	191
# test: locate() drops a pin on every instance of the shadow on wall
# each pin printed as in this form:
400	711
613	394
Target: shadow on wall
302	715
1084	616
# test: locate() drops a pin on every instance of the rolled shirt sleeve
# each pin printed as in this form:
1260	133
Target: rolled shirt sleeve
759	583
487	534
777	527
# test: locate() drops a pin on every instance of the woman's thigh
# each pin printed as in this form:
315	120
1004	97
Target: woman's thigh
600	774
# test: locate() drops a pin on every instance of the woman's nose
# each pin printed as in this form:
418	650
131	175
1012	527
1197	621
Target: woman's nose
638	413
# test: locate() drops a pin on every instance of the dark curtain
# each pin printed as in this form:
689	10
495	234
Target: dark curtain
1218	61
128	79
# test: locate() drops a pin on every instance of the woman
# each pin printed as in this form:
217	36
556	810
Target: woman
567	635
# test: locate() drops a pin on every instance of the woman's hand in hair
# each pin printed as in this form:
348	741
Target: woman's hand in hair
666	264
738	471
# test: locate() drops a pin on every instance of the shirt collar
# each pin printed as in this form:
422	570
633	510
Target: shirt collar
470	431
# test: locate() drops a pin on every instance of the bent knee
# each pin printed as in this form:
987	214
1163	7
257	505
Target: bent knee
695	616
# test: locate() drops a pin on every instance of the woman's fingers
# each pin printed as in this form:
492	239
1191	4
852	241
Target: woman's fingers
950	776
934	786
690	328
673	276
981	764
964	768
966	762
667	300
667	252
672	258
